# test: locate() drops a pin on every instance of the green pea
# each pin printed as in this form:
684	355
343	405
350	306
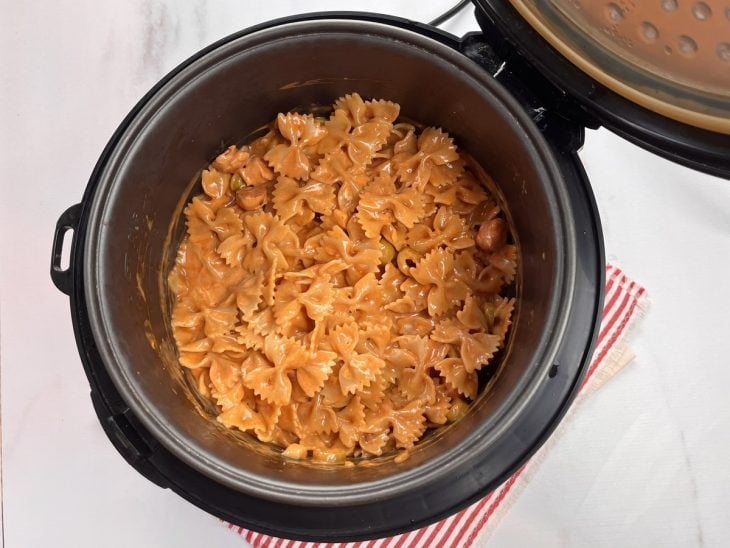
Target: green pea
236	182
387	251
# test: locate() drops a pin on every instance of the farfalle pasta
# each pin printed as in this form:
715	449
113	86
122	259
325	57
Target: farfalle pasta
341	283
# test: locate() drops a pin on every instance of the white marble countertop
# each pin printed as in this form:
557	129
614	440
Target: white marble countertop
646	460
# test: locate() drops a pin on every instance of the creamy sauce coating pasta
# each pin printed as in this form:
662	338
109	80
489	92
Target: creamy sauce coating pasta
341	283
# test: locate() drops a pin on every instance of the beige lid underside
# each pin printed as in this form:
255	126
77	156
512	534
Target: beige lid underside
679	49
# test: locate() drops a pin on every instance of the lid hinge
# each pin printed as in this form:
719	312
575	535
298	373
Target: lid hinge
543	101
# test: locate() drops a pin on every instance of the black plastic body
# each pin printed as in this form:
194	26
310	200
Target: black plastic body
409	509
579	97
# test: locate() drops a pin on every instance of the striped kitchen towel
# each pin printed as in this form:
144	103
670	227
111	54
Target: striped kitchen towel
624	304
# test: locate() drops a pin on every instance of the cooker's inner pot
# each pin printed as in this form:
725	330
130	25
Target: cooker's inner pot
220	99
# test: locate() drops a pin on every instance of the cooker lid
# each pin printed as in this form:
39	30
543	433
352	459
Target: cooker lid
656	72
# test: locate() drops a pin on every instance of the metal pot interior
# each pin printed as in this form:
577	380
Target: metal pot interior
225	96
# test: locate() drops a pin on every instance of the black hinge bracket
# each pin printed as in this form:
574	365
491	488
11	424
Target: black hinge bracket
556	114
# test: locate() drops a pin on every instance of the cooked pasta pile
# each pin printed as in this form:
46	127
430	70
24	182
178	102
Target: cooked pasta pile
339	285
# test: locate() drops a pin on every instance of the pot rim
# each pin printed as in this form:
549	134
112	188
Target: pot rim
561	297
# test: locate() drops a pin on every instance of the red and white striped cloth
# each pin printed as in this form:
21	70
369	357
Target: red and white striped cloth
625	302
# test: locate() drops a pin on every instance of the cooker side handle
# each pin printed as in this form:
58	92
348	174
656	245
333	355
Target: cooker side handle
122	431
69	220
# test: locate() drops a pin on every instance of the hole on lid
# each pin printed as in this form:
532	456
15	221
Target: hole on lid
553	370
668	50
723	51
701	11
727	13
649	32
669	5
687	46
614	12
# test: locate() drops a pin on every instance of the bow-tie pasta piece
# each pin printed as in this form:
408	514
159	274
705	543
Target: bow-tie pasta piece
437	413
358	370
249	294
455	374
419	356
234	248
342	283
499	315
230	161
249	339
448	229
291	198
275	242
350	420
317	416
359	112
381	205
435	148
435	271
291	158
406	425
